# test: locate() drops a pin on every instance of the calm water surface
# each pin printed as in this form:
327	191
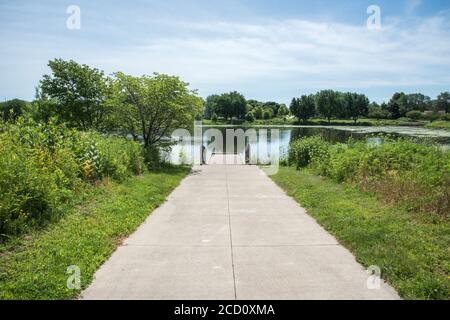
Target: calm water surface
182	152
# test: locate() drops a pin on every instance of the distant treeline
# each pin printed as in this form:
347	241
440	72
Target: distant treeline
88	103
234	105
328	104
12	109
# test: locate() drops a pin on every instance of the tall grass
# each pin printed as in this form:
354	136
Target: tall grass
401	171
44	166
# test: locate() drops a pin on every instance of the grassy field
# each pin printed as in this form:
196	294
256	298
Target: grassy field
439	125
411	249
34	266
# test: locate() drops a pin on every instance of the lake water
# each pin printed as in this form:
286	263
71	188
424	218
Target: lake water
262	147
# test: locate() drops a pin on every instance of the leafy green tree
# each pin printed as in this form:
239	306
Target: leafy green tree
159	104
273	106
254	103
211	105
267	114
414	115
328	103
43	109
398	105
304	107
258	112
249	117
418	102
355	106
377	112
431	116
443	102
283	110
80	93
270	112
214	117
294	107
125	117
12	109
231	105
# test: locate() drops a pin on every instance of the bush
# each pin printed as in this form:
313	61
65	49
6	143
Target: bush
304	151
445	117
439	125
29	190
414	115
249	117
119	158
214	117
152	156
12	109
44	166
378	113
414	174
431	116
267	115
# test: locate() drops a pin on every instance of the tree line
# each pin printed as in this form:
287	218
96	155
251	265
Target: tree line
234	105
150	107
414	106
332	104
327	104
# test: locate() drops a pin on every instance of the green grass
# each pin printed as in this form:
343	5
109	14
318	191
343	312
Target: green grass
34	266
411	249
439	125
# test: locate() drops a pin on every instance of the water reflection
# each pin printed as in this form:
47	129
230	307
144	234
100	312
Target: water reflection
183	151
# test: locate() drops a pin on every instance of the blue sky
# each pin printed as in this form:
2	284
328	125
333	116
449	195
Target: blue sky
268	50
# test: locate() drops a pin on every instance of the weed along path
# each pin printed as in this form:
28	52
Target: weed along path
229	232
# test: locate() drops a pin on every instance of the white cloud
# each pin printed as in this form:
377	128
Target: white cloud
276	58
299	53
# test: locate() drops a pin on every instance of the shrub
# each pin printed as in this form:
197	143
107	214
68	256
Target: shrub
44	166
267	115
414	115
34	185
415	174
152	156
341	162
214	117
249	117
378	113
119	158
304	151
431	116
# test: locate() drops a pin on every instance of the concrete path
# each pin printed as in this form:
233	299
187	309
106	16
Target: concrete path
229	232
230	159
